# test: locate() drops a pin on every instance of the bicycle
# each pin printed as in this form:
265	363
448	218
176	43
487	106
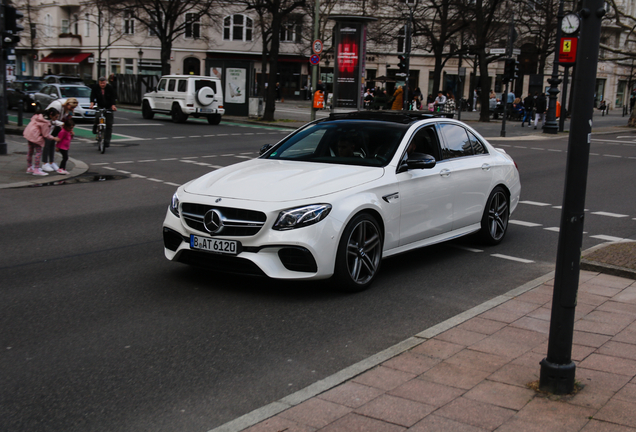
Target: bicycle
101	129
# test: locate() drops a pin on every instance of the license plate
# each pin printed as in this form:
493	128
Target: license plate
207	110
90	112
229	247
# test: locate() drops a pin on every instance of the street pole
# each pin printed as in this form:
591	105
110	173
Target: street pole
511	32
551	126
407	56
558	369
3	84
314	69
564	97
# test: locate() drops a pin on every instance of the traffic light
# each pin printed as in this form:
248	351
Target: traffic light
511	69
402	63
11	26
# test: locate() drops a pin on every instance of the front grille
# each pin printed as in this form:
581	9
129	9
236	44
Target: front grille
220	263
236	222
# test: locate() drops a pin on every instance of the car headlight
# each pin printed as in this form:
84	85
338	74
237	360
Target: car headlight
174	205
301	216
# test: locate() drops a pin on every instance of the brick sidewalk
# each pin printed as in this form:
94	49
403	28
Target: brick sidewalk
474	375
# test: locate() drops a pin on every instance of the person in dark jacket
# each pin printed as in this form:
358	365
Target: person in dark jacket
528	105
104	95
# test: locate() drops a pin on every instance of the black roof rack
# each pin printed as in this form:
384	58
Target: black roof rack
404	117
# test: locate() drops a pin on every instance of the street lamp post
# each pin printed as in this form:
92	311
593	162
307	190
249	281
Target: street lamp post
140	53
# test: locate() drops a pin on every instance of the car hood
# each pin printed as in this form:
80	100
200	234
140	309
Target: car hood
276	181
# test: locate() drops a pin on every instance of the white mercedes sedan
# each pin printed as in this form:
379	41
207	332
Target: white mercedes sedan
339	194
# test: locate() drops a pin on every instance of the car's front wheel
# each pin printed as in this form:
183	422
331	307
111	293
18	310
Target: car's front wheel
146	111
494	222
359	253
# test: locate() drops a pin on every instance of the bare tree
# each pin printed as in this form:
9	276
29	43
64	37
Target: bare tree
537	23
166	19
107	32
272	14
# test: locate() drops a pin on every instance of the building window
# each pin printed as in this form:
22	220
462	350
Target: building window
87	30
291	31
193	26
129	23
130	67
75	24
237	27
48	25
400	39
34	32
65	28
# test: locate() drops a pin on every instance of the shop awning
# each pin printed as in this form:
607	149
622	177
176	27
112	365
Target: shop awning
65	58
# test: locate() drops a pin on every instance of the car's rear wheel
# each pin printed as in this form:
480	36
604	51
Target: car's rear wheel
177	115
214	119
494	222
359	253
146	111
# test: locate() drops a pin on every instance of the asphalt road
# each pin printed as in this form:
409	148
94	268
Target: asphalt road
100	332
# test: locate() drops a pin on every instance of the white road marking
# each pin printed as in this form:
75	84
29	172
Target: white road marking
555	150
555	229
148	160
466	248
227	155
521	147
540	204
208	136
244	157
615	215
614	156
124	172
154	180
557	207
125	162
524	223
194	136
594	154
162	138
190	157
137	176
110	168
511	258
208	156
607	238
613	141
178	137
100	163
169	159
536	148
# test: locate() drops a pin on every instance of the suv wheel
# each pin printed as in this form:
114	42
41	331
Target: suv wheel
146	111
177	115
214	119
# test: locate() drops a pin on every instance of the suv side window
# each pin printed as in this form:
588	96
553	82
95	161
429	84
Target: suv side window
183	86
456	142
171	84
199	84
162	85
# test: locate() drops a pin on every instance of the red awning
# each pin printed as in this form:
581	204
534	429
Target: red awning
65	58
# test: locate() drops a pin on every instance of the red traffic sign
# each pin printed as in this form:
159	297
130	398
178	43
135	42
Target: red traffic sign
317	46
567	50
314	59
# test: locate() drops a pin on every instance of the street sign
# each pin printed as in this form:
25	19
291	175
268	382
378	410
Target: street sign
497	50
317	46
314	59
402	74
567	50
516	51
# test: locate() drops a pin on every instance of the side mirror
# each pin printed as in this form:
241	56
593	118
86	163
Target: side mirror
420	161
264	149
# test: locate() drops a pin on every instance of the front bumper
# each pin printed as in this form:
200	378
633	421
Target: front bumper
304	253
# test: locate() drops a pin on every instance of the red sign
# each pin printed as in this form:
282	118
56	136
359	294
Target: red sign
314	59
567	50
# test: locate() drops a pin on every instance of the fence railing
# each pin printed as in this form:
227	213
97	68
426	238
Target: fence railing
131	88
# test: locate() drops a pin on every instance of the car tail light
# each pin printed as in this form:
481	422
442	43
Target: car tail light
190	105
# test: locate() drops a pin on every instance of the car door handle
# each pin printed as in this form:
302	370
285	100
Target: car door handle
485	167
445	172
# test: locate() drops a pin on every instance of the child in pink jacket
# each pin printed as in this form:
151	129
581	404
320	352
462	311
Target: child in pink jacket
65	136
36	131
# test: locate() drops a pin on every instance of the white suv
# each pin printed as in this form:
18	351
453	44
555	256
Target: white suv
185	95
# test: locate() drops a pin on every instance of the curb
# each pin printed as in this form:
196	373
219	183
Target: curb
270	410
605	268
79	168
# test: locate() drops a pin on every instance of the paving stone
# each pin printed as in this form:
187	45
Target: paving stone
411	363
533	324
351	394
628	295
384	378
590	299
542	414
627	393
610	281
617	307
428	392
628	335
543	313
601	426
458	376
618	411
477	360
482	325
392	409
315	412
475	413
610	364
618	349
357	423
599	290
537	296
277	424
502	315
461	337
589	339
500	394
433	423
437	349
600	381
516	375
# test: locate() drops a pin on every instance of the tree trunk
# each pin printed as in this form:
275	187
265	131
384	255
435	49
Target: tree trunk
632	119
484	83
166	50
270	102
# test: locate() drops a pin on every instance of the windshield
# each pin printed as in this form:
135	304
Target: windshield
33	86
71	80
350	142
81	92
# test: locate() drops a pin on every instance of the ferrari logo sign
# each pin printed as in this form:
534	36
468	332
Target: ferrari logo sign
567	50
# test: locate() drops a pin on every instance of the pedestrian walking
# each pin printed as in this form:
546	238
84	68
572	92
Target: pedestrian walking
65	108
449	106
540	106
64	143
398	99
528	106
103	94
38	129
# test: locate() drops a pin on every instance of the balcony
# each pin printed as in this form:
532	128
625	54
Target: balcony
68	40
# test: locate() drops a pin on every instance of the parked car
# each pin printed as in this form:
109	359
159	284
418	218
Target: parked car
21	92
339	194
63	79
82	93
181	96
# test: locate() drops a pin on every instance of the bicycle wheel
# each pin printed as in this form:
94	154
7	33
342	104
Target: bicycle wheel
100	142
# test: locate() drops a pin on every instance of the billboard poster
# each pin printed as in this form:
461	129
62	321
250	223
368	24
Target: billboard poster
235	85
347	73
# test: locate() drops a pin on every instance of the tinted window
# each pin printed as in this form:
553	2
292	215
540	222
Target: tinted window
66	80
162	85
456	142
171	84
199	84
425	142
183	86
478	146
364	143
33	86
76	92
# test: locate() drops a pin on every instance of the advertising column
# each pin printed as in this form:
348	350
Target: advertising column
349	44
